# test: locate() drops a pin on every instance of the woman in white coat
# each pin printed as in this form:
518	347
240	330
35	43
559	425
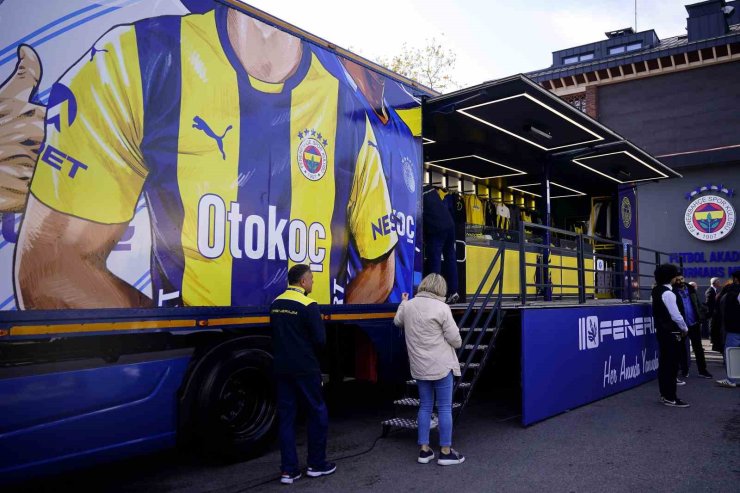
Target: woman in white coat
431	339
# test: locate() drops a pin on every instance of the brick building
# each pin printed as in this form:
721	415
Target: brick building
679	99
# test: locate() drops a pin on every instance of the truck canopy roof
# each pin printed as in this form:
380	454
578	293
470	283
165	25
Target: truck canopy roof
505	130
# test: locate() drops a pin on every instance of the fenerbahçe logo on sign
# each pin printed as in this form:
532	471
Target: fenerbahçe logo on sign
312	154
709	218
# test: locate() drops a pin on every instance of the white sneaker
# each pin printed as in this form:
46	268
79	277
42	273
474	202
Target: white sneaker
726	383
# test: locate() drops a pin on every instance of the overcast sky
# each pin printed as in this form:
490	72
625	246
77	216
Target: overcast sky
492	38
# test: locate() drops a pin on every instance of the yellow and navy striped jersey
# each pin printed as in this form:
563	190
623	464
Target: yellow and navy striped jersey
242	178
474	213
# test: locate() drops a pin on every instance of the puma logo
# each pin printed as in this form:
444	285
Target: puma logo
94	51
200	124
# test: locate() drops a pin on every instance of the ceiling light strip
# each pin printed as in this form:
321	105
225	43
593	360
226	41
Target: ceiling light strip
564	117
630	155
434	163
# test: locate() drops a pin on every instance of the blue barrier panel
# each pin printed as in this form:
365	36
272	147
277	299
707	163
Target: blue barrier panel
573	356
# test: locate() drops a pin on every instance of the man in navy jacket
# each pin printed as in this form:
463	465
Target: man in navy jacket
298	333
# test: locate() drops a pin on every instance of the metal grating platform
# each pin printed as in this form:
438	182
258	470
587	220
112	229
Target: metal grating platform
406	423
413	402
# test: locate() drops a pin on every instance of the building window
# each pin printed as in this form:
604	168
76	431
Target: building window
578	58
616	50
577	100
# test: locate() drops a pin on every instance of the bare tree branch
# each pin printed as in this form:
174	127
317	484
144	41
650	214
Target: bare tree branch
431	65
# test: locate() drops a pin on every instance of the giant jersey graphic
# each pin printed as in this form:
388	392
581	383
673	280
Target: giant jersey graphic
207	154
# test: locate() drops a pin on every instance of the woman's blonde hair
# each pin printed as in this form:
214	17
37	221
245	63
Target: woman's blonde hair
435	284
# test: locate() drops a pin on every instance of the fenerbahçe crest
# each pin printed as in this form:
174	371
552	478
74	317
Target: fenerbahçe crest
312	159
709	218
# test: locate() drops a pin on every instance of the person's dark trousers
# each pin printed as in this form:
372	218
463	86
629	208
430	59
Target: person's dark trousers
667	364
436	246
684	356
291	391
695	337
706	328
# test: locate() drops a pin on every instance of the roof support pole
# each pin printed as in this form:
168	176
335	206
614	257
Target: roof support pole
547	288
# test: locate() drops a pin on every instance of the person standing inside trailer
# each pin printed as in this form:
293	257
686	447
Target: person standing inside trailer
671	328
439	240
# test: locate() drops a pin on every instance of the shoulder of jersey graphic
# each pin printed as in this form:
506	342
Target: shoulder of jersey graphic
125	62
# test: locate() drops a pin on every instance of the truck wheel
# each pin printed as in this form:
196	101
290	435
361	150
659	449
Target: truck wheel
234	408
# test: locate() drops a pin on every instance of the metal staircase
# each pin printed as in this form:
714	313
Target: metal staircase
479	327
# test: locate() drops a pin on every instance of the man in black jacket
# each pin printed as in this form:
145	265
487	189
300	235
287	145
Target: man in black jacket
671	328
710	299
298	333
688	305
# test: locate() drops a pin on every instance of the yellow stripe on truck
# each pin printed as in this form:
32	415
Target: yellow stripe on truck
31	330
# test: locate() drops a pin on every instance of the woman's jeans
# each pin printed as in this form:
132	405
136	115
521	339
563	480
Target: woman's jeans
442	389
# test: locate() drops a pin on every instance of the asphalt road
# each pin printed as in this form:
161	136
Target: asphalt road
627	442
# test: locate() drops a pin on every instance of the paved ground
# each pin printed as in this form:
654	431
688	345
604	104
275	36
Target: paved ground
626	442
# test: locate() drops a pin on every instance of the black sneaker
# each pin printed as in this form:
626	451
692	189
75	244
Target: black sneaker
452	299
705	374
454	457
289	477
327	469
680	382
425	456
676	403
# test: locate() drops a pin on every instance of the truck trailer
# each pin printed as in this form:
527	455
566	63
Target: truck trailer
164	165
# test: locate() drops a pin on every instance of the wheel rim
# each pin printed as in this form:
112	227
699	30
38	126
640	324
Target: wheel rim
246	405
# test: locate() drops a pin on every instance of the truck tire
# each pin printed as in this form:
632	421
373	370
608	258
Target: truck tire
234	407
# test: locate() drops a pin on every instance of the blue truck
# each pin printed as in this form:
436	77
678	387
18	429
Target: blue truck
175	161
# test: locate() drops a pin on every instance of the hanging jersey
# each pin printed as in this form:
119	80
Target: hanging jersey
474	210
515	214
242	178
491	215
456	206
503	216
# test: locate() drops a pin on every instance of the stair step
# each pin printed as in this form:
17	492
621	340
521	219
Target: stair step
467	329
407	423
464	385
474	365
481	347
413	402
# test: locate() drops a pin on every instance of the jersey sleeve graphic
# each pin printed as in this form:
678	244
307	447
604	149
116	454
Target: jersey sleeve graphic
370	204
90	165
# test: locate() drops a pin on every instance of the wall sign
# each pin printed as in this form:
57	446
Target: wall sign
709	217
